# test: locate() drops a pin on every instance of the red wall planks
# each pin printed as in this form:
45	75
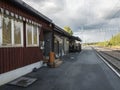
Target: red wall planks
13	58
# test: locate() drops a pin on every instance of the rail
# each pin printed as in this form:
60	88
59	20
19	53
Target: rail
113	61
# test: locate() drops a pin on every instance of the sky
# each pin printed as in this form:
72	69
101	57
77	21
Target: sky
91	20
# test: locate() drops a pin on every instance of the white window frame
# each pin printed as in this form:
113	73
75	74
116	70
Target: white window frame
38	31
32	45
12	34
32	35
1	29
12	30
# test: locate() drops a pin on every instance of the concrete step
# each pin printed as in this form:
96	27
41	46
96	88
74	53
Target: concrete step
57	63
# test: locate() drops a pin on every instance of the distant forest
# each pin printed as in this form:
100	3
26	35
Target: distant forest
114	41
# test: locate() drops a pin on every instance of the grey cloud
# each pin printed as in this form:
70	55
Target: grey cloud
113	14
82	14
78	13
47	7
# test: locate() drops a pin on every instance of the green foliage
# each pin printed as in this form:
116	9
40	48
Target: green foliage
103	43
68	29
114	41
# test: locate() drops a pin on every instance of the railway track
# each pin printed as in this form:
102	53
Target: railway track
111	56
114	50
112	53
112	60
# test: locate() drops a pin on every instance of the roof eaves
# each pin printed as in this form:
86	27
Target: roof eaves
23	4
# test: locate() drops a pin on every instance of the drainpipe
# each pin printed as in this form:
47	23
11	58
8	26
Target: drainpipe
53	37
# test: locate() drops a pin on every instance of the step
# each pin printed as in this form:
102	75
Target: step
57	63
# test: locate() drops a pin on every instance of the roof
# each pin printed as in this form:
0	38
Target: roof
61	31
75	38
27	7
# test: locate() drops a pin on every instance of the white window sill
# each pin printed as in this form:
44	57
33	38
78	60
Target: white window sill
10	46
32	45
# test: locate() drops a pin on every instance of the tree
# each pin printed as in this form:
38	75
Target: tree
114	41
68	29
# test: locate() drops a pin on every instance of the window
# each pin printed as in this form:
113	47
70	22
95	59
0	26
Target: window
29	34
32	35
35	34
6	31
18	30
11	32
0	30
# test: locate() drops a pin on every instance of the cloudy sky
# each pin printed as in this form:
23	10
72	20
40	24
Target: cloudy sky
91	20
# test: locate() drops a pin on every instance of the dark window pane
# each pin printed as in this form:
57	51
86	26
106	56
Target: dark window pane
29	34
18	26
35	34
6	33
